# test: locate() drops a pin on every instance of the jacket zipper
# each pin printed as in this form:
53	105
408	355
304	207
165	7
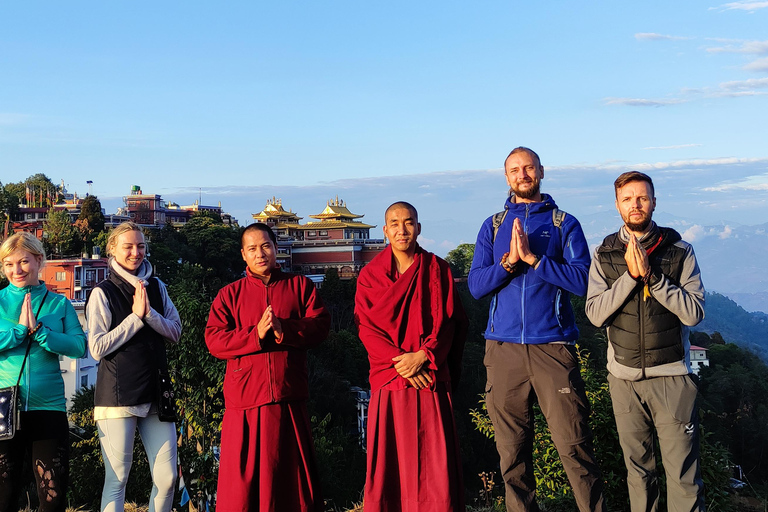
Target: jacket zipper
494	301
557	307
525	275
641	315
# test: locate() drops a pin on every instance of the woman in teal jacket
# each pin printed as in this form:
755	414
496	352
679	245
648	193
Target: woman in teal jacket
47	322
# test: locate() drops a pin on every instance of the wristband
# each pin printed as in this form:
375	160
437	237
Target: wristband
536	262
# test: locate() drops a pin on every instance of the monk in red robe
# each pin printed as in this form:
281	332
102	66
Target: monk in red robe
263	325
412	324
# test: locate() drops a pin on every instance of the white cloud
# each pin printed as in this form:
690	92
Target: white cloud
752	47
757	65
642	102
727	231
694	233
742	6
678	146
753	183
652	36
745	85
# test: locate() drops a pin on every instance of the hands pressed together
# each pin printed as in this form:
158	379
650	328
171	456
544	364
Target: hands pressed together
636	258
519	250
27	316
140	301
270	321
410	366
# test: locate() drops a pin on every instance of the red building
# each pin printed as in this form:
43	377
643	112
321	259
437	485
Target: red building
74	278
145	209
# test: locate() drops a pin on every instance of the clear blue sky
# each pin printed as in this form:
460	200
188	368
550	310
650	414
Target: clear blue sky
225	95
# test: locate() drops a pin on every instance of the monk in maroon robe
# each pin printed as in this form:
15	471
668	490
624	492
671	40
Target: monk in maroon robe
412	324
263	325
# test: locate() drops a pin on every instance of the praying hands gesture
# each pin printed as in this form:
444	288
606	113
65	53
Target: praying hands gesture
636	258
140	301
410	366
270	321
27	316
518	246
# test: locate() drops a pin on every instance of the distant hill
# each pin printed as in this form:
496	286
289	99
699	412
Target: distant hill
747	330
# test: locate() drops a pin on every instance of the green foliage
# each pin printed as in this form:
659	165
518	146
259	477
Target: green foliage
734	409
339	298
60	236
9	203
197	377
90	222
460	259
334	366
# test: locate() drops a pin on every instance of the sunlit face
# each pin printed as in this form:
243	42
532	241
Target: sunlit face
402	228
129	250
259	252
21	268
635	203
523	175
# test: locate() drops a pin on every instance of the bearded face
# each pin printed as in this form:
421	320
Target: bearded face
524	175
635	203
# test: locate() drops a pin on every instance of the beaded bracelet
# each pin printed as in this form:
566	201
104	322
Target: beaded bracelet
505	264
37	328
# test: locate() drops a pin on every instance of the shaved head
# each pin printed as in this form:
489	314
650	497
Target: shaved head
402	204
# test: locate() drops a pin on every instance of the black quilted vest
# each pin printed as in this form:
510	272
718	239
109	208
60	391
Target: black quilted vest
643	332
128	376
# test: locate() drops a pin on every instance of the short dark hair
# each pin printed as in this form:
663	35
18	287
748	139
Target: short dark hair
521	149
631	176
258	226
402	204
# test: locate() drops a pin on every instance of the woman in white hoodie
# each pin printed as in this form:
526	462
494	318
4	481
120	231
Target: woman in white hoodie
130	318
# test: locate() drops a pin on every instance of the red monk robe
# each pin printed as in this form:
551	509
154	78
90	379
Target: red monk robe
267	455
413	450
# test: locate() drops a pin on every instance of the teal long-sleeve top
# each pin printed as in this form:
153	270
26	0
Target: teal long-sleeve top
42	388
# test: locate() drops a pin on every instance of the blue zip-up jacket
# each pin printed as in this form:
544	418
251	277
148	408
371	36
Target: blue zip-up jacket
532	305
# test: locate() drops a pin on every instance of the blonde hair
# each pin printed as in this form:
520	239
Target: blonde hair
119	230
24	241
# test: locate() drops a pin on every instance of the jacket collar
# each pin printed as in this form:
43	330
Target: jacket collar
546	204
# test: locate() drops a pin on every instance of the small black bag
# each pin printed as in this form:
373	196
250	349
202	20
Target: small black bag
9	411
166	399
9	397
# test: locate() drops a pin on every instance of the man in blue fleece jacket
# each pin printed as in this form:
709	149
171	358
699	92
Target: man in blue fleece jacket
529	259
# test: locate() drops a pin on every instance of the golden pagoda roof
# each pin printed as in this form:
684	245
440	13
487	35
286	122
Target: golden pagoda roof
336	209
274	210
334	224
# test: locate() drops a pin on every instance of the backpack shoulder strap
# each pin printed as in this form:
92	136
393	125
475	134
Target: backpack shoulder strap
498	218
558	216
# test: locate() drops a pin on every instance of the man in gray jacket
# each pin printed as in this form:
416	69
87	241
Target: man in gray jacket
645	287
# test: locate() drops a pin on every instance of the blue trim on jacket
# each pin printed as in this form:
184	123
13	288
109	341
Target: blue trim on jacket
532	305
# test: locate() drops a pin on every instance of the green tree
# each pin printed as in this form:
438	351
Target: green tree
9	206
198	378
460	259
59	235
90	222
339	298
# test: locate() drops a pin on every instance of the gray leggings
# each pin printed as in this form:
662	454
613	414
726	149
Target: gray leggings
159	439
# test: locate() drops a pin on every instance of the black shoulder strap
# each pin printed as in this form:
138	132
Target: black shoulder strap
29	339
